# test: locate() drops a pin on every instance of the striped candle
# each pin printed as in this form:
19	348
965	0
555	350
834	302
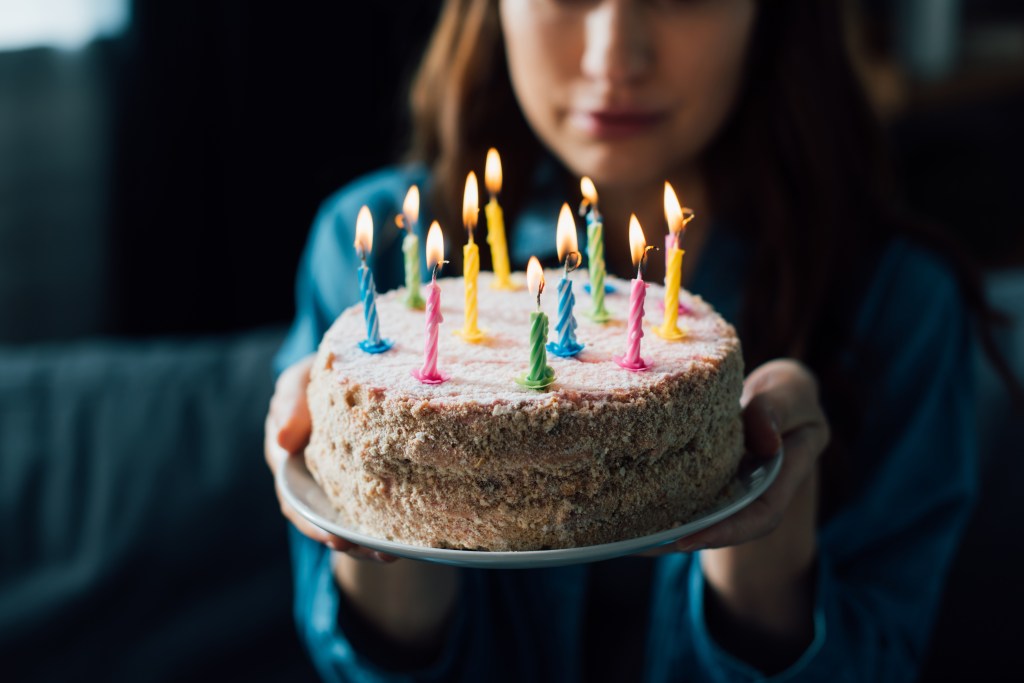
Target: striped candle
367	291
429	374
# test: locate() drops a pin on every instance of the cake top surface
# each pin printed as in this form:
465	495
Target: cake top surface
485	372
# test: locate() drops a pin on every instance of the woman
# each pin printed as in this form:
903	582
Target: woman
751	110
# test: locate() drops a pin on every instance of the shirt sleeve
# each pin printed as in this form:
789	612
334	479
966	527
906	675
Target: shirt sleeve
883	558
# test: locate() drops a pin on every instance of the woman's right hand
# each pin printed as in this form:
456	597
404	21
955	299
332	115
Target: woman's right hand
286	434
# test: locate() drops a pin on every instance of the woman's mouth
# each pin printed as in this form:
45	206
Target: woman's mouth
615	123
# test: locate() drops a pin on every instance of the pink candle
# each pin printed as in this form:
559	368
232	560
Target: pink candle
631	360
429	373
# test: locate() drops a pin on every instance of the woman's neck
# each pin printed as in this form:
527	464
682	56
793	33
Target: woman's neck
647	202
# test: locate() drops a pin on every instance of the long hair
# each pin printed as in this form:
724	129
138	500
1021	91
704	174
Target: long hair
800	168
463	103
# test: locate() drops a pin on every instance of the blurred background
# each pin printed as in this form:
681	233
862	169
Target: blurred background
160	164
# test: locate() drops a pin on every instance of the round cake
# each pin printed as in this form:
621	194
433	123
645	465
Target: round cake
480	462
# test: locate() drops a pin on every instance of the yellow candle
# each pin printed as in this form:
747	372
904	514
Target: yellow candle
670	327
496	224
677	221
471	261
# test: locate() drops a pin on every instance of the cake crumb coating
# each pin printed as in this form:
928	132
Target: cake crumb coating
481	463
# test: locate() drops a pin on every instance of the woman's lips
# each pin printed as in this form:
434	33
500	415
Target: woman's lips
615	123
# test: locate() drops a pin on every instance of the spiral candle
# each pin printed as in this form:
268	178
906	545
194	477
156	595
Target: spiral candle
538	356
499	247
428	374
540	374
368	293
670	326
596	266
470	272
631	360
638	249
565	326
496	224
411	250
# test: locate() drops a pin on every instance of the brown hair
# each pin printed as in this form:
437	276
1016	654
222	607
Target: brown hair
462	104
800	169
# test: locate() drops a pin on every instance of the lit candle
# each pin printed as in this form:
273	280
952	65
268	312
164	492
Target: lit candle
429	374
595	251
367	291
411	247
677	218
471	260
631	360
569	255
496	224
674	238
540	374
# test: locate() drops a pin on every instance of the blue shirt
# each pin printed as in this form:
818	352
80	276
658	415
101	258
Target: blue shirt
882	558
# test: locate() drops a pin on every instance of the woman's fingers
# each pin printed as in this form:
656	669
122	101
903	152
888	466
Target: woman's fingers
780	401
290	406
286	434
759	518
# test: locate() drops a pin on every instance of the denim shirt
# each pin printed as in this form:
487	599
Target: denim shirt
882	558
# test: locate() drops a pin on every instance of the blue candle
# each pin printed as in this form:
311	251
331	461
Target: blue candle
568	252
565	325
367	290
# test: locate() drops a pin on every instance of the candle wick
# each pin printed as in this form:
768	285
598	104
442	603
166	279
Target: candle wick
437	267
577	259
642	266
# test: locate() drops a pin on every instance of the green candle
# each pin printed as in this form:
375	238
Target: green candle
595	252
411	248
540	374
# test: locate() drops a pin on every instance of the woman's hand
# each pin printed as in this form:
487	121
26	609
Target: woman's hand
780	407
286	433
763	555
761	572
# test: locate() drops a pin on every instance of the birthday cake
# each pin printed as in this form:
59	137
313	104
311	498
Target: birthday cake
481	462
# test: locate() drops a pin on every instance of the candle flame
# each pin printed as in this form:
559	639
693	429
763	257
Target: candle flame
411	206
470	203
637	241
364	232
588	190
676	215
673	211
565	235
492	172
435	245
534	277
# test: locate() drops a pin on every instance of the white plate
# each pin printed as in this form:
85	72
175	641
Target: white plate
303	494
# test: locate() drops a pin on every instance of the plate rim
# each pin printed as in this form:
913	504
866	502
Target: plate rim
763	475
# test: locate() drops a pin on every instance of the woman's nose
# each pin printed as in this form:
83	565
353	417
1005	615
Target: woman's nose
618	47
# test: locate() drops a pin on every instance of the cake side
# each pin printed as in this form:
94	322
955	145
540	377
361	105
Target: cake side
604	456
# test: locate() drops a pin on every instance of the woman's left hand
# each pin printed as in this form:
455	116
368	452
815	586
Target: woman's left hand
780	407
765	551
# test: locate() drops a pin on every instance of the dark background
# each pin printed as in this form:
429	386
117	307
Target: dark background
155	193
